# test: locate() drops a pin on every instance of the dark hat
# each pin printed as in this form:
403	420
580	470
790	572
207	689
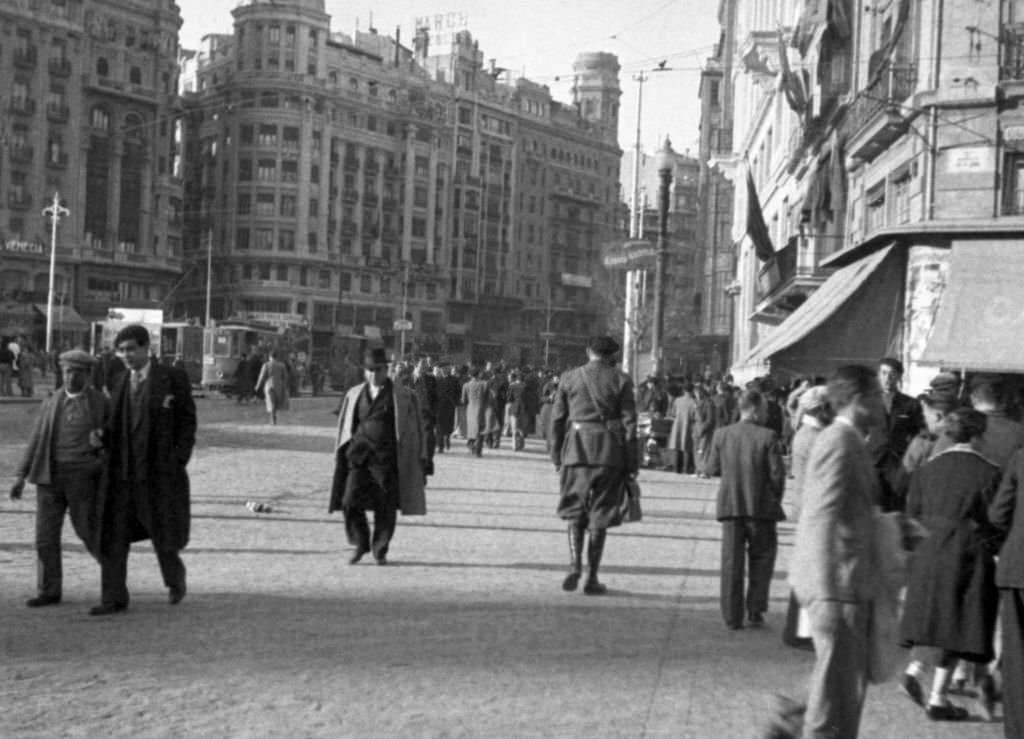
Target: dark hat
76	359
945	382
604	346
375	359
941	399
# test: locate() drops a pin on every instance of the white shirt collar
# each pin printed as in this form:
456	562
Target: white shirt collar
143	374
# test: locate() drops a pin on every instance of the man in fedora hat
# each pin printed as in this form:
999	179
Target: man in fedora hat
64	461
381	459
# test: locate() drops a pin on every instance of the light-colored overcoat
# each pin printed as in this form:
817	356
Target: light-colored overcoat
412	447
834	555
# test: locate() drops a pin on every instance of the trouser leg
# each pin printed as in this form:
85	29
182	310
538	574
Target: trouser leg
838	681
357	528
1013	661
114	574
172	568
51	504
732	570
595	551
384	522
762	547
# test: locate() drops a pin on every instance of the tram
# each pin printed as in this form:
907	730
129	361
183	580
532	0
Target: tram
224	345
181	344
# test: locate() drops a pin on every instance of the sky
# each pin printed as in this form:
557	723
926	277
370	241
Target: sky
541	38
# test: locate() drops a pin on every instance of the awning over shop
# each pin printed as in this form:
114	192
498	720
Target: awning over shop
16	319
65	317
981	318
849	319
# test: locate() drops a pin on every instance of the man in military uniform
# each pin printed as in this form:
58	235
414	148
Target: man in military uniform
593	446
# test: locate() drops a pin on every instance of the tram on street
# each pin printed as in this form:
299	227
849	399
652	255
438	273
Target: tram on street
224	345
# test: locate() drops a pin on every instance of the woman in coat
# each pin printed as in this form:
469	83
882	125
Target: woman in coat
273	380
682	437
704	429
480	421
951	598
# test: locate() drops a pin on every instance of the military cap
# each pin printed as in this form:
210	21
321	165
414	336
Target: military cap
76	359
603	345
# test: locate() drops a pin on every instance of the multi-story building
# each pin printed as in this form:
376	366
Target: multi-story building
715	250
683	282
89	110
893	200
339	178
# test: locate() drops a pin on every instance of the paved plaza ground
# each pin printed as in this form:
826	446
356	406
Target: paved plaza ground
466	633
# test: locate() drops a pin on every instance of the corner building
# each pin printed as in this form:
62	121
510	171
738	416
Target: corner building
88	110
337	178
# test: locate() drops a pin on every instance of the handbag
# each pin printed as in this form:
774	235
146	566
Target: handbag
630	509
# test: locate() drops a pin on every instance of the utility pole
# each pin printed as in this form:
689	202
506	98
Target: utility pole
405	311
56	211
635	232
666	163
209	274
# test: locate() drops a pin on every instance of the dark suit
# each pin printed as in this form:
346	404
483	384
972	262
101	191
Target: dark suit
888	443
749	460
150	436
1007	513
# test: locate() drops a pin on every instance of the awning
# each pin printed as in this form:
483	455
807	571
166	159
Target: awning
840	323
16	319
65	317
981	317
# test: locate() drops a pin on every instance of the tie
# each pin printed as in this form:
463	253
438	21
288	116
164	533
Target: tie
135	382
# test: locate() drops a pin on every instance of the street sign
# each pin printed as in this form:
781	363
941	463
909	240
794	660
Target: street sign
629	255
401	325
546	335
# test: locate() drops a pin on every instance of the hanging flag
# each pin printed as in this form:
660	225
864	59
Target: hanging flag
757	230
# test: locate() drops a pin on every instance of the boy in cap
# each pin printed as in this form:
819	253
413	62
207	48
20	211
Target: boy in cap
64	460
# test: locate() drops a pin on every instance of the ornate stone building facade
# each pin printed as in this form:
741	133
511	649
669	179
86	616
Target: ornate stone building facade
339	178
89	110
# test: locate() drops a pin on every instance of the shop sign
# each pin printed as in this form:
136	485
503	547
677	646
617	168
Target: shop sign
577	280
970	160
1013	133
23	247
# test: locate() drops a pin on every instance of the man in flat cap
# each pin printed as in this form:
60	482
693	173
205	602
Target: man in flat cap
593	446
150	436
381	459
64	460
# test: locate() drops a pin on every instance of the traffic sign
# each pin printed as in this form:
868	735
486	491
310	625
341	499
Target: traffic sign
402	325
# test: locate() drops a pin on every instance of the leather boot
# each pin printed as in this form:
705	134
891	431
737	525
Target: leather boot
594	552
575	557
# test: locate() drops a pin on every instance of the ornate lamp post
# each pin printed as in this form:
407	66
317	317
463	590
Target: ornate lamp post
665	161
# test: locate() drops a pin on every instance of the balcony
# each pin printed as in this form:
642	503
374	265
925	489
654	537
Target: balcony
877	116
60	67
787	280
19	200
22	106
142	93
21	153
26	57
56	113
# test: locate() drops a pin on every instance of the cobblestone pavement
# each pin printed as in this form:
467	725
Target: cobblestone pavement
467	633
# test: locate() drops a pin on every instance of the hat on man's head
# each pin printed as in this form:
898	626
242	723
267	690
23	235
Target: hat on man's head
813	398
375	359
76	359
945	382
941	399
604	346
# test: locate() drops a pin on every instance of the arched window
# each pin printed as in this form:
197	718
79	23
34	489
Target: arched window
102	68
99	119
353	83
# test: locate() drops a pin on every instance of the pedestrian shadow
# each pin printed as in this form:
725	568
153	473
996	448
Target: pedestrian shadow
654	571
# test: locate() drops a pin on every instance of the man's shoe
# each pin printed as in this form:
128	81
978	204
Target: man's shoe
357	555
946	712
176	595
911	686
43	600
105	609
571	582
593	587
382	560
986	697
734	627
755	619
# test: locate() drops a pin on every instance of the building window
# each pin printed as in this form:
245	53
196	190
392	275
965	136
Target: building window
901	198
265	239
265	204
874	204
266	170
244	203
289	171
242	239
270	100
286	240
267	135
365	285
100	119
324	279
312	241
288	208
1013	186
135	76
102	67
314	207
244	170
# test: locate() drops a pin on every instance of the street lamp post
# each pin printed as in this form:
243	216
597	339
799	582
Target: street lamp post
56	211
665	161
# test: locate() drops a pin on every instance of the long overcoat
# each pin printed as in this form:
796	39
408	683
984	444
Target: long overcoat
479	402
951	598
273	380
682	437
449	393
37	463
412	450
162	501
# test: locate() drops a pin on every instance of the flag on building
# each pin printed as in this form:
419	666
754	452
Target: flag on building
757	230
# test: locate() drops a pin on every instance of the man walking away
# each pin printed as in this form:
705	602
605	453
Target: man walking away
151	433
63	460
748	458
594	447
